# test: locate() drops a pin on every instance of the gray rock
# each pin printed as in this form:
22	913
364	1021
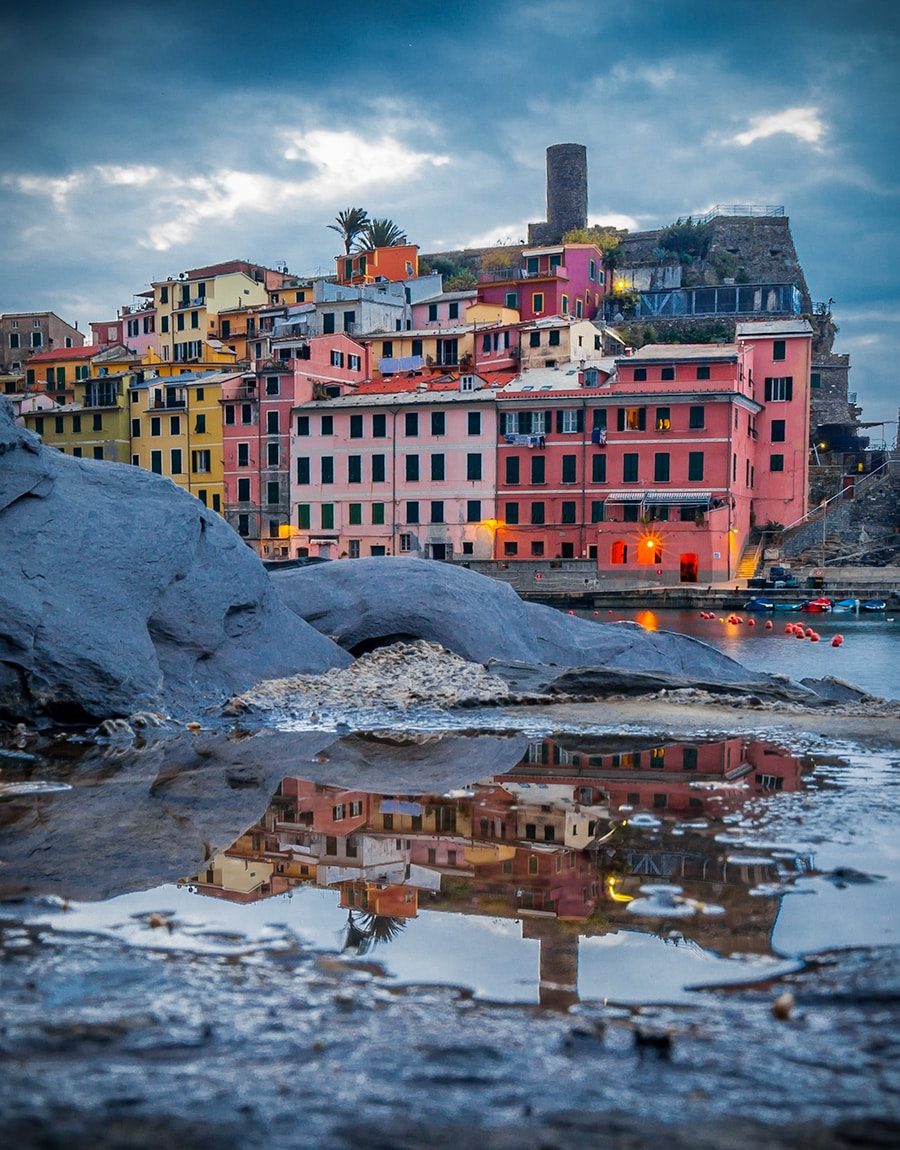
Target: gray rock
119	591
367	601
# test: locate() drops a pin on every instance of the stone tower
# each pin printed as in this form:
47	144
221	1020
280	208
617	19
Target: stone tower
567	195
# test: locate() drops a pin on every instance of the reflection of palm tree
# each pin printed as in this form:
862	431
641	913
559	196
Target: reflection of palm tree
380	233
350	223
365	930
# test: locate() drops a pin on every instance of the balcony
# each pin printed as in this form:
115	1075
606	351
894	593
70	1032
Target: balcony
170	399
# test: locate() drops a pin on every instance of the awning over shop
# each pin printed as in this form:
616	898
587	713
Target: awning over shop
635	495
698	498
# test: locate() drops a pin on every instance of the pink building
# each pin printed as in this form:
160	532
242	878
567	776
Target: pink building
396	472
566	280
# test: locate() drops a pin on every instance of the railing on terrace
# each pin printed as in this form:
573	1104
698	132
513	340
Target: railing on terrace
722	299
770	210
491	275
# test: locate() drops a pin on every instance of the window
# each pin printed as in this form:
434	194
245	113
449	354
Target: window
511	299
387	349
473	465
353	362
355	513
473	423
337	358
437	467
438	423
406	542
378	468
243	455
640	374
537	547
695	465
59	425
243	489
304	518
779	349
200	425
667	373
696	418
432	312
411	424
778	429
703	371
328	516
510	548
663	419
512	469
473	511
272	423
273	491
328	322
412	468
273	455
631	418
630	467
437	511
568	511
534	339
37	339
453	310
379	426
569	463
511	513
175	462
14	339
779	389
156	462
598	469
537	302
776	463
412	511
538	469
537	512
570	422
815	379
303	470
598	511
328	469
229	418
328	425
377	514
661	467
174	425
246	413
354	469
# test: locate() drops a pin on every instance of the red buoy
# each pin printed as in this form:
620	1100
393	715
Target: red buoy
769	624
837	640
799	634
751	622
814	637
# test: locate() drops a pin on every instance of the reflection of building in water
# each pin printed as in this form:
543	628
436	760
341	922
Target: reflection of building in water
555	843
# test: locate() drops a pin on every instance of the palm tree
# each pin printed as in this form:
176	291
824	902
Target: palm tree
365	930
380	233
351	222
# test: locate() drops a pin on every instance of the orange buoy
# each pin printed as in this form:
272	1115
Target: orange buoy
788	628
769	624
799	634
809	631
837	641
751	622
814	637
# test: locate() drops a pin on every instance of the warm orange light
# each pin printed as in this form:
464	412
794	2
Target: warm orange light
647	620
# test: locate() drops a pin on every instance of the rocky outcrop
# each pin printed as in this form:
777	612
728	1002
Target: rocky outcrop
370	602
120	591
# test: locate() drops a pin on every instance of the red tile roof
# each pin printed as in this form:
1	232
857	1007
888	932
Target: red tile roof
53	356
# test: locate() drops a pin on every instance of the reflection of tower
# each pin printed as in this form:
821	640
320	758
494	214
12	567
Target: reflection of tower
567	195
559	960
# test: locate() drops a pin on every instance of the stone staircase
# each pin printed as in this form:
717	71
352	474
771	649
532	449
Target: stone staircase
749	561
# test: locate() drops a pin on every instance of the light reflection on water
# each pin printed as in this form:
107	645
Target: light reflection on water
523	886
869	656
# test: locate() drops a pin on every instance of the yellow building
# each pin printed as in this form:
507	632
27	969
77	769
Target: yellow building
176	431
188	328
94	425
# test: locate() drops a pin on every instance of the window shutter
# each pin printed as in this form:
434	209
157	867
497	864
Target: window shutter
559	422
768	390
642	419
620	419
789	387
580	424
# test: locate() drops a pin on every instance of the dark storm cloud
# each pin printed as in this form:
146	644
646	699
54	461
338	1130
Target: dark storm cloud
144	140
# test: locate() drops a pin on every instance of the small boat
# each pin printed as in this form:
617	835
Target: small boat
788	607
759	605
816	605
873	605
844	605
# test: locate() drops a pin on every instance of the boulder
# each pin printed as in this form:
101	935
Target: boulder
366	602
120	591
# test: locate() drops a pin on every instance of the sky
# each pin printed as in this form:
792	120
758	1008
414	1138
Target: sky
139	141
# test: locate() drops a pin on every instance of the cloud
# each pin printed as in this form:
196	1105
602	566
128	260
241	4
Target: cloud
803	123
348	160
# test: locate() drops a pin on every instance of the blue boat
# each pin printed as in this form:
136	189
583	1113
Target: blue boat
845	605
788	607
873	605
759	605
